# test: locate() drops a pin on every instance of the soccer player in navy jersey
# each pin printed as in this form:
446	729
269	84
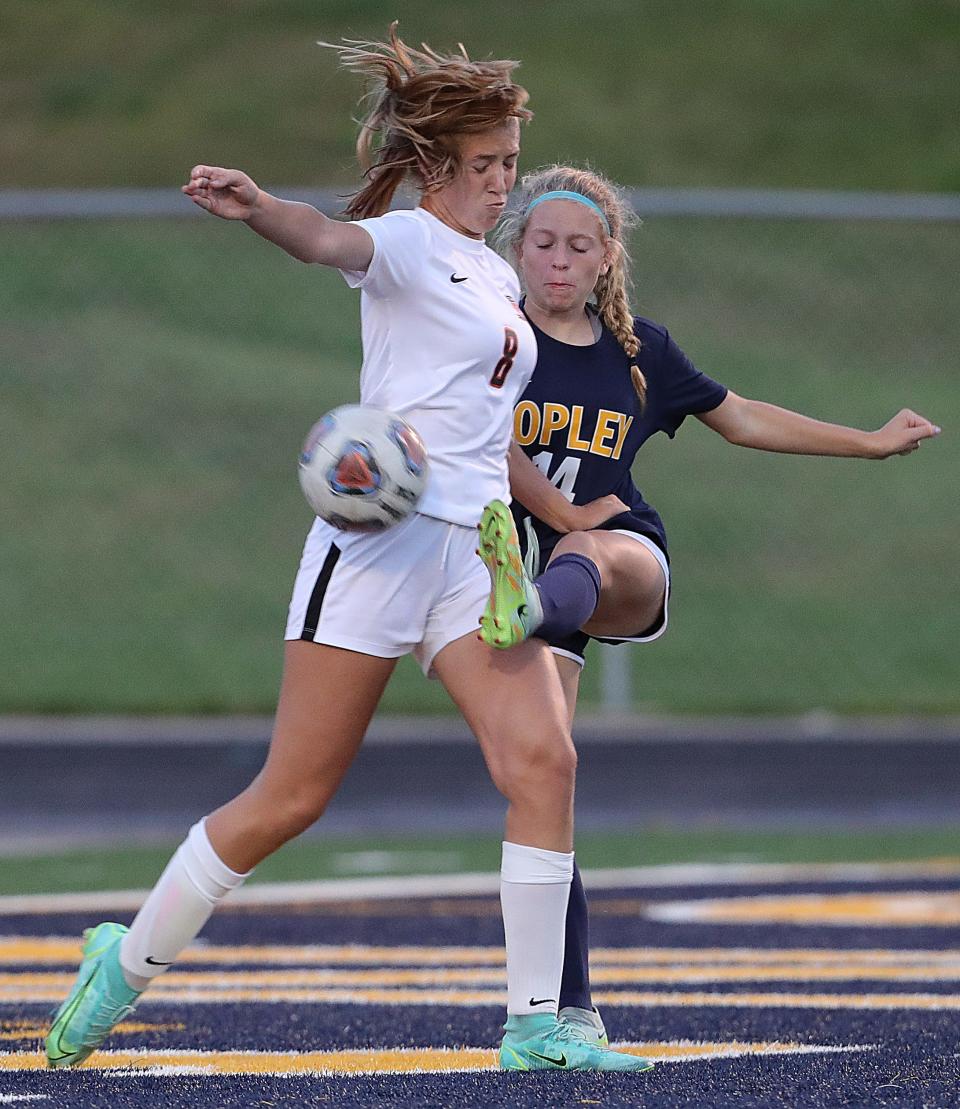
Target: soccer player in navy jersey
604	382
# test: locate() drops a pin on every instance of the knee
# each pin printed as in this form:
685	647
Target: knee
586	543
286	813
544	764
297	814
549	766
576	542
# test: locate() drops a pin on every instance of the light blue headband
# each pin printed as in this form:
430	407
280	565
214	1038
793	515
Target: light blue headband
563	194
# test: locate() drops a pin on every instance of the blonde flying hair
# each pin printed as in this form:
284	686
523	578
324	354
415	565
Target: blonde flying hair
420	101
612	289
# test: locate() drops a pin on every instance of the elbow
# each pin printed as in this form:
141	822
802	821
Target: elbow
738	437
737	420
745	430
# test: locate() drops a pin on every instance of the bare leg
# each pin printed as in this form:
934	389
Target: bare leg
514	704
569	672
632	584
327	699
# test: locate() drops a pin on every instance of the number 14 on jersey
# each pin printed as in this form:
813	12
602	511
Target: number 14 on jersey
565	477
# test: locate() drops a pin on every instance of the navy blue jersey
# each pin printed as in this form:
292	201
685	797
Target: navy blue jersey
580	419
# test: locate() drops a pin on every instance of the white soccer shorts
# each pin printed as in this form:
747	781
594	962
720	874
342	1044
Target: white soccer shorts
410	589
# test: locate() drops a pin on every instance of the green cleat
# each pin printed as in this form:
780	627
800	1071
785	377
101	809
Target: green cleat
538	1041
513	611
100	999
586	1023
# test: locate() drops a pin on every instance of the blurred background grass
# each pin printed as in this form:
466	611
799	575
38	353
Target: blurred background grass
788	93
315	858
158	376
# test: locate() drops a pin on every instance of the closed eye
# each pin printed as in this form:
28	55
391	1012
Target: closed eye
548	246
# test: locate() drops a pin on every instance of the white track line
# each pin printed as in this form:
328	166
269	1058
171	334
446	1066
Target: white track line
452	885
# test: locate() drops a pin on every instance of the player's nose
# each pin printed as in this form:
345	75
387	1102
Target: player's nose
497	183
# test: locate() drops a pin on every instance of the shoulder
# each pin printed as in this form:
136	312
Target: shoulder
401	244
654	336
657	342
399	217
400	225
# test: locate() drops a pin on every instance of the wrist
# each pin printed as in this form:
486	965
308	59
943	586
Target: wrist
568	517
871	447
259	207
554	514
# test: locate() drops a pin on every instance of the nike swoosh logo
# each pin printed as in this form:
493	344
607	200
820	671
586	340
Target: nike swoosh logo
561	1062
156	962
542	1001
63	1019
456	280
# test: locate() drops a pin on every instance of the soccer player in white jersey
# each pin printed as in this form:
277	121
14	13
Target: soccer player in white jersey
605	381
445	345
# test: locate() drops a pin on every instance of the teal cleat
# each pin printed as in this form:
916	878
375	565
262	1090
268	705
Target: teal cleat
100	999
586	1023
538	1041
513	611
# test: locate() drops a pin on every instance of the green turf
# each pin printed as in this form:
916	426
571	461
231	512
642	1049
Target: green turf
158	377
308	860
793	93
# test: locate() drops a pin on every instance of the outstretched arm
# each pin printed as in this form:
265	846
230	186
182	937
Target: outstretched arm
537	493
299	229
753	423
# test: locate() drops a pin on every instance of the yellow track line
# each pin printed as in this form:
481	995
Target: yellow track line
406	996
439	977
53	950
377	1061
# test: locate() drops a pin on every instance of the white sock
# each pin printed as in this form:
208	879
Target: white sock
178	906
534	889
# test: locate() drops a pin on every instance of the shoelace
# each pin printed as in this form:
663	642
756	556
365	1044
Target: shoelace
585	1032
566	1033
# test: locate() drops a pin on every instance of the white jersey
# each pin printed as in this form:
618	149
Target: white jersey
446	346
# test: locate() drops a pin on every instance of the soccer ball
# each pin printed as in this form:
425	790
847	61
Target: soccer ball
362	468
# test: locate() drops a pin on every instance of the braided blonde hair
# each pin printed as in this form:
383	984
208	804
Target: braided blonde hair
420	102
612	289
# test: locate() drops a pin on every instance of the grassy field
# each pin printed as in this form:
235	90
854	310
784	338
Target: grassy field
748	92
158	377
309	860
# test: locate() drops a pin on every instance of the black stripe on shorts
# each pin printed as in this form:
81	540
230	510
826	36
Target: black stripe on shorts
319	591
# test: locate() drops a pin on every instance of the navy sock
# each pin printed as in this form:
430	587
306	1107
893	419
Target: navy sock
569	590
575	983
